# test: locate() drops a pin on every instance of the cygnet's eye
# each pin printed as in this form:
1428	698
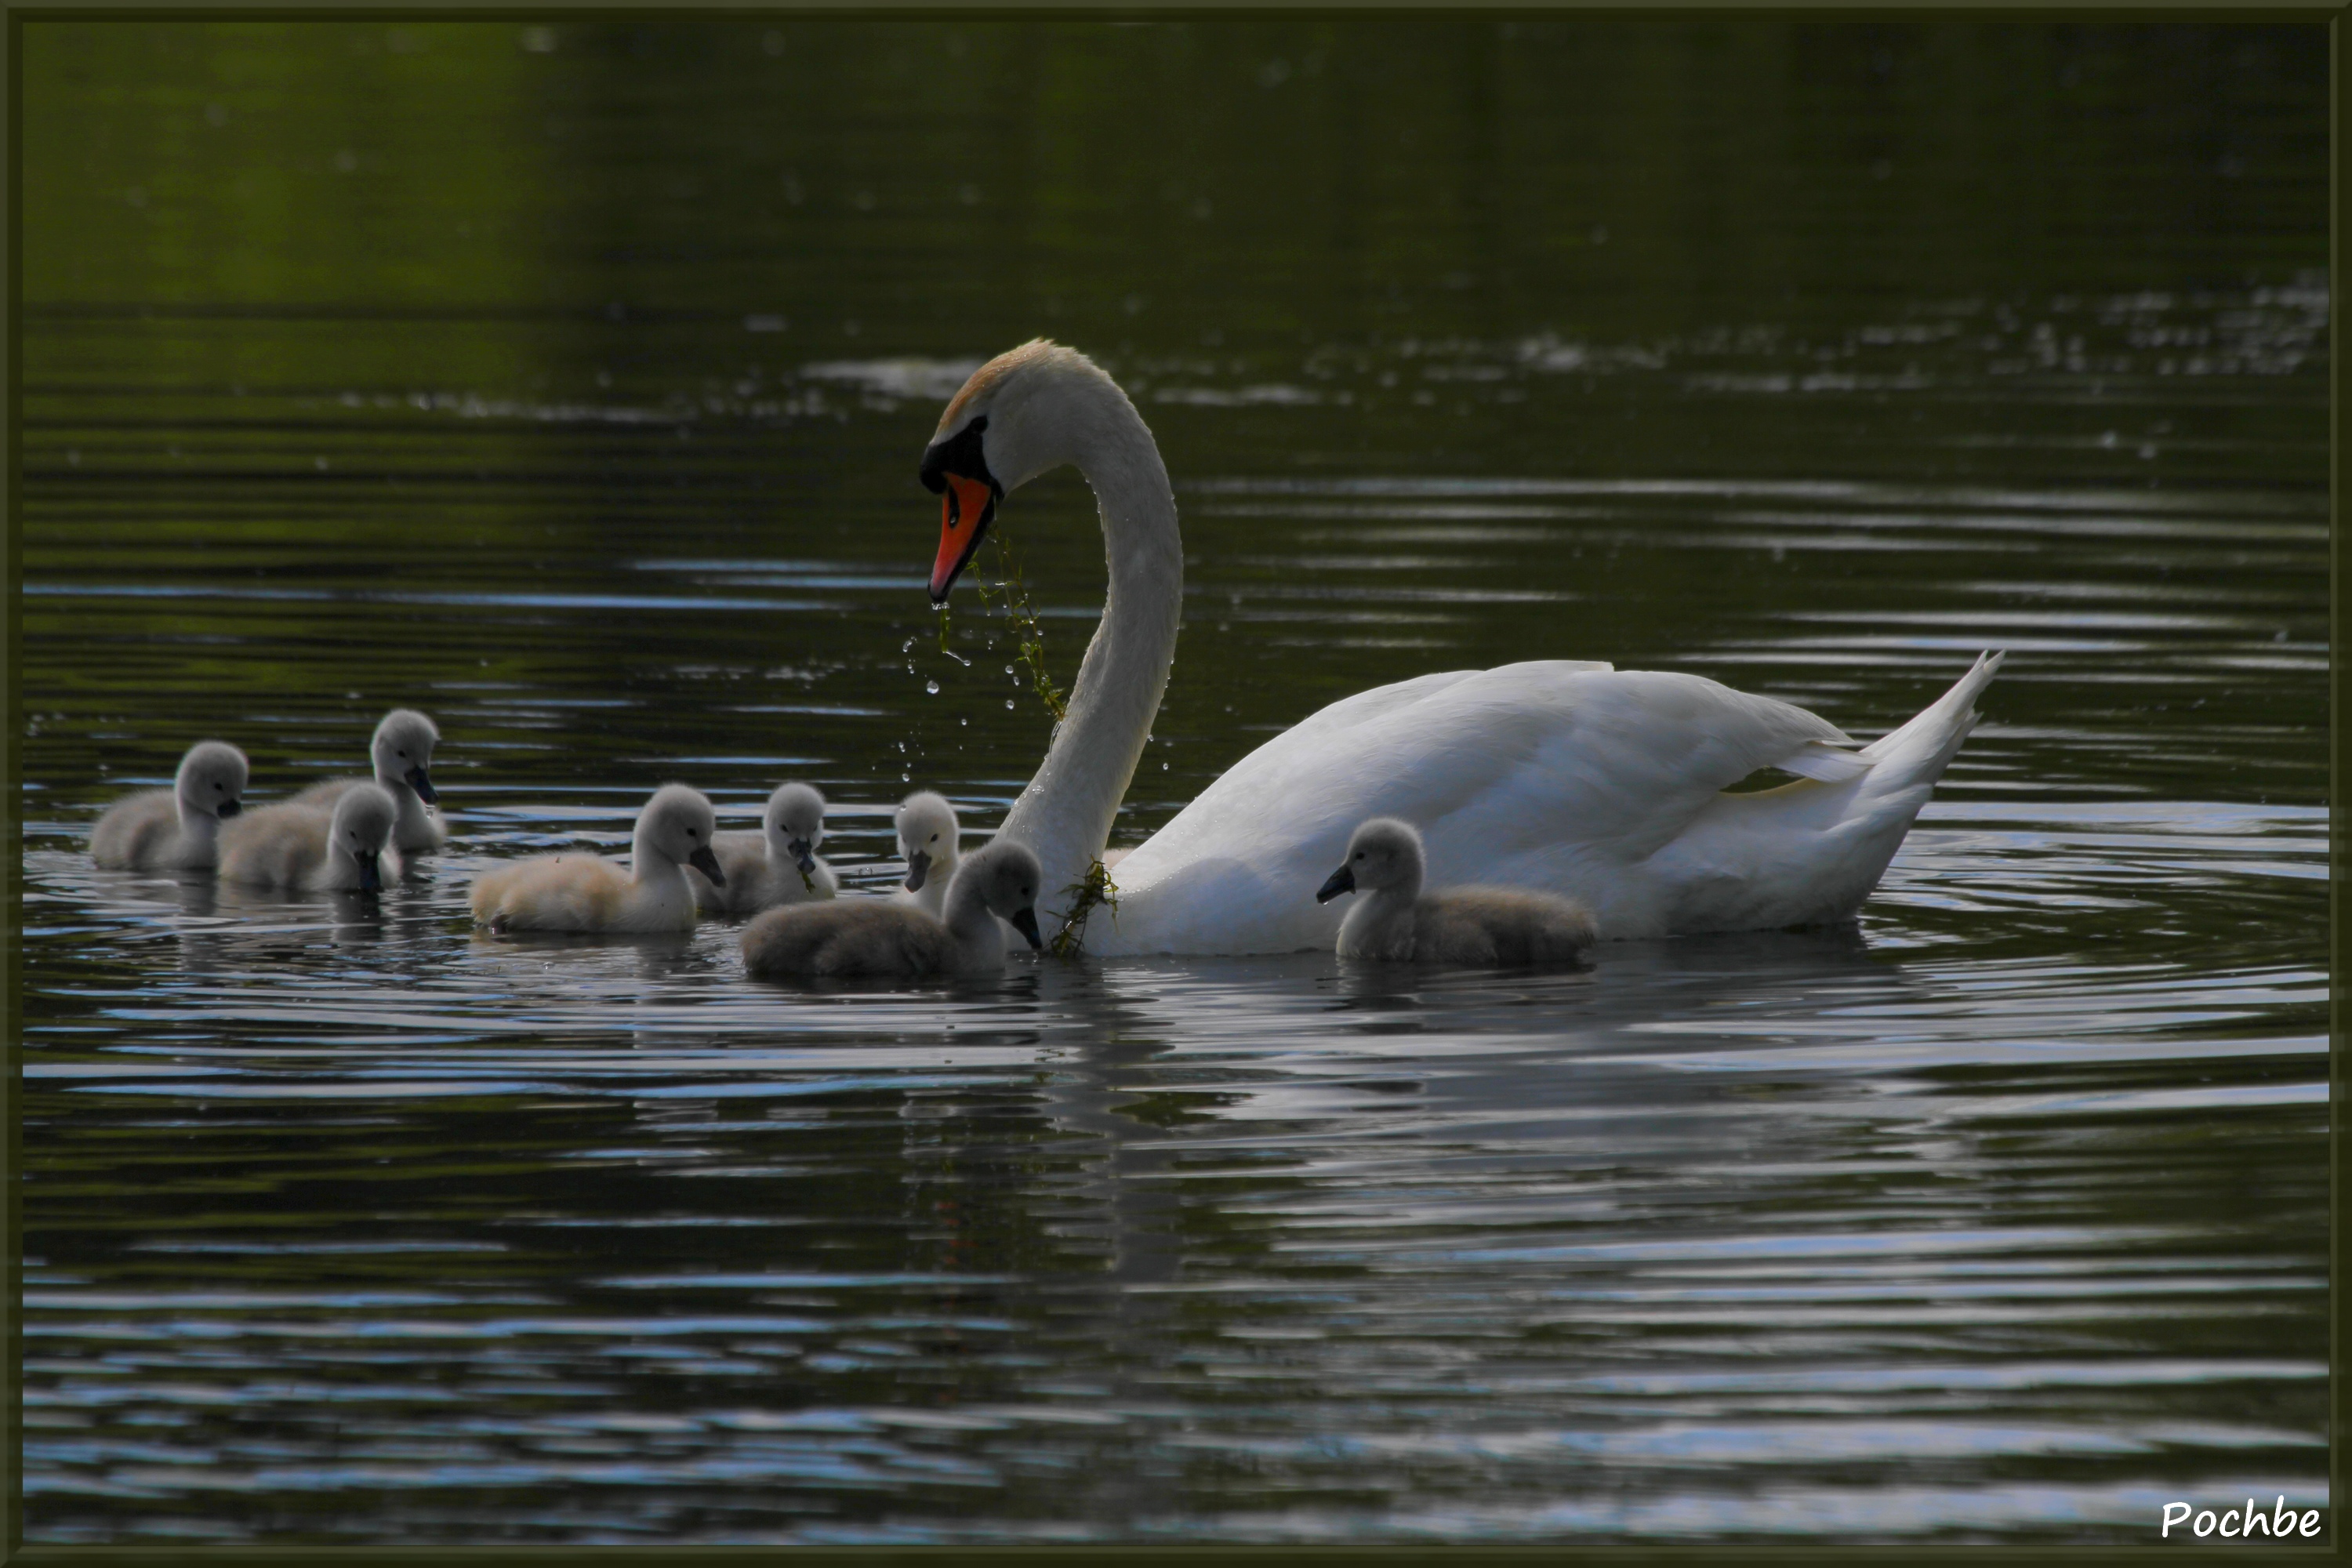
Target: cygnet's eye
1360	854
935	838
693	833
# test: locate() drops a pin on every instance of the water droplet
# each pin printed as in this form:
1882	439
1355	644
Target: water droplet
932	686
1008	702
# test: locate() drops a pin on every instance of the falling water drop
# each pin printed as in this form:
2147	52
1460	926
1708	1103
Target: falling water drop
932	686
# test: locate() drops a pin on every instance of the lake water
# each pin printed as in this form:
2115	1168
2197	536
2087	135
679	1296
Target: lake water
569	382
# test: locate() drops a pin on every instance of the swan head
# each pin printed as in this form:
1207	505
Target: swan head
210	779
1006	875
1384	853
1026	412
928	832
794	824
677	825
360	828
403	750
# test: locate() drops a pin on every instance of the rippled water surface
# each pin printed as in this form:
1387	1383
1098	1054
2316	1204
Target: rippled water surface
568	383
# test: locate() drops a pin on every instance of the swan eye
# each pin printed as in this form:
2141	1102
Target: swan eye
935	838
693	833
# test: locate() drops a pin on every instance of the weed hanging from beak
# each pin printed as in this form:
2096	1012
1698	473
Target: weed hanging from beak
1028	634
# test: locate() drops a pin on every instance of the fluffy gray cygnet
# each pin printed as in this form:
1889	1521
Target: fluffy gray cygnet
888	939
1485	927
929	839
175	829
293	845
401	752
777	864
590	893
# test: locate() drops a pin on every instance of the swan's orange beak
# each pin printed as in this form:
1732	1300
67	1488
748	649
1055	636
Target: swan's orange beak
964	513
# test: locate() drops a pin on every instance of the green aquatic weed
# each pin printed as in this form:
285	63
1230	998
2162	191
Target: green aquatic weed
1028	636
1096	889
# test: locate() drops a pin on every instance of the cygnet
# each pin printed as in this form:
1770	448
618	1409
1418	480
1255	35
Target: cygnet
403	751
929	839
577	893
1487	927
883	936
174	829
291	845
777	864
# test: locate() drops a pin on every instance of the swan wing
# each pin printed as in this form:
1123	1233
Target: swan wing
1548	773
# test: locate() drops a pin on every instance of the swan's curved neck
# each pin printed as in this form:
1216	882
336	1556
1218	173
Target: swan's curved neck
1065	815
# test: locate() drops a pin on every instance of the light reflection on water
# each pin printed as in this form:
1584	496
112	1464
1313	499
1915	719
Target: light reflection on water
1999	1216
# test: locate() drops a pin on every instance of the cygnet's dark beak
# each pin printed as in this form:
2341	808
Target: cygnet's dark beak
421	785
805	856
228	809
371	874
918	870
704	861
1025	922
1342	881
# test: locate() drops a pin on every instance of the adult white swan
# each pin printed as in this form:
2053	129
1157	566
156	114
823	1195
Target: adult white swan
1568	776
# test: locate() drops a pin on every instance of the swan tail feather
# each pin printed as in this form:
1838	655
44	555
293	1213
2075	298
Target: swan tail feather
1920	751
1819	760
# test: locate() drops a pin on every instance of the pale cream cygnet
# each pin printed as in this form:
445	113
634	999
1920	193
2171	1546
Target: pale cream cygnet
175	829
401	751
293	845
886	938
777	864
1487	927
928	841
576	892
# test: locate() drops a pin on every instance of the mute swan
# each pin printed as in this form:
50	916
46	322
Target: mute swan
589	893
294	844
885	937
1393	919
174	829
401	751
929	839
777	864
1566	776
